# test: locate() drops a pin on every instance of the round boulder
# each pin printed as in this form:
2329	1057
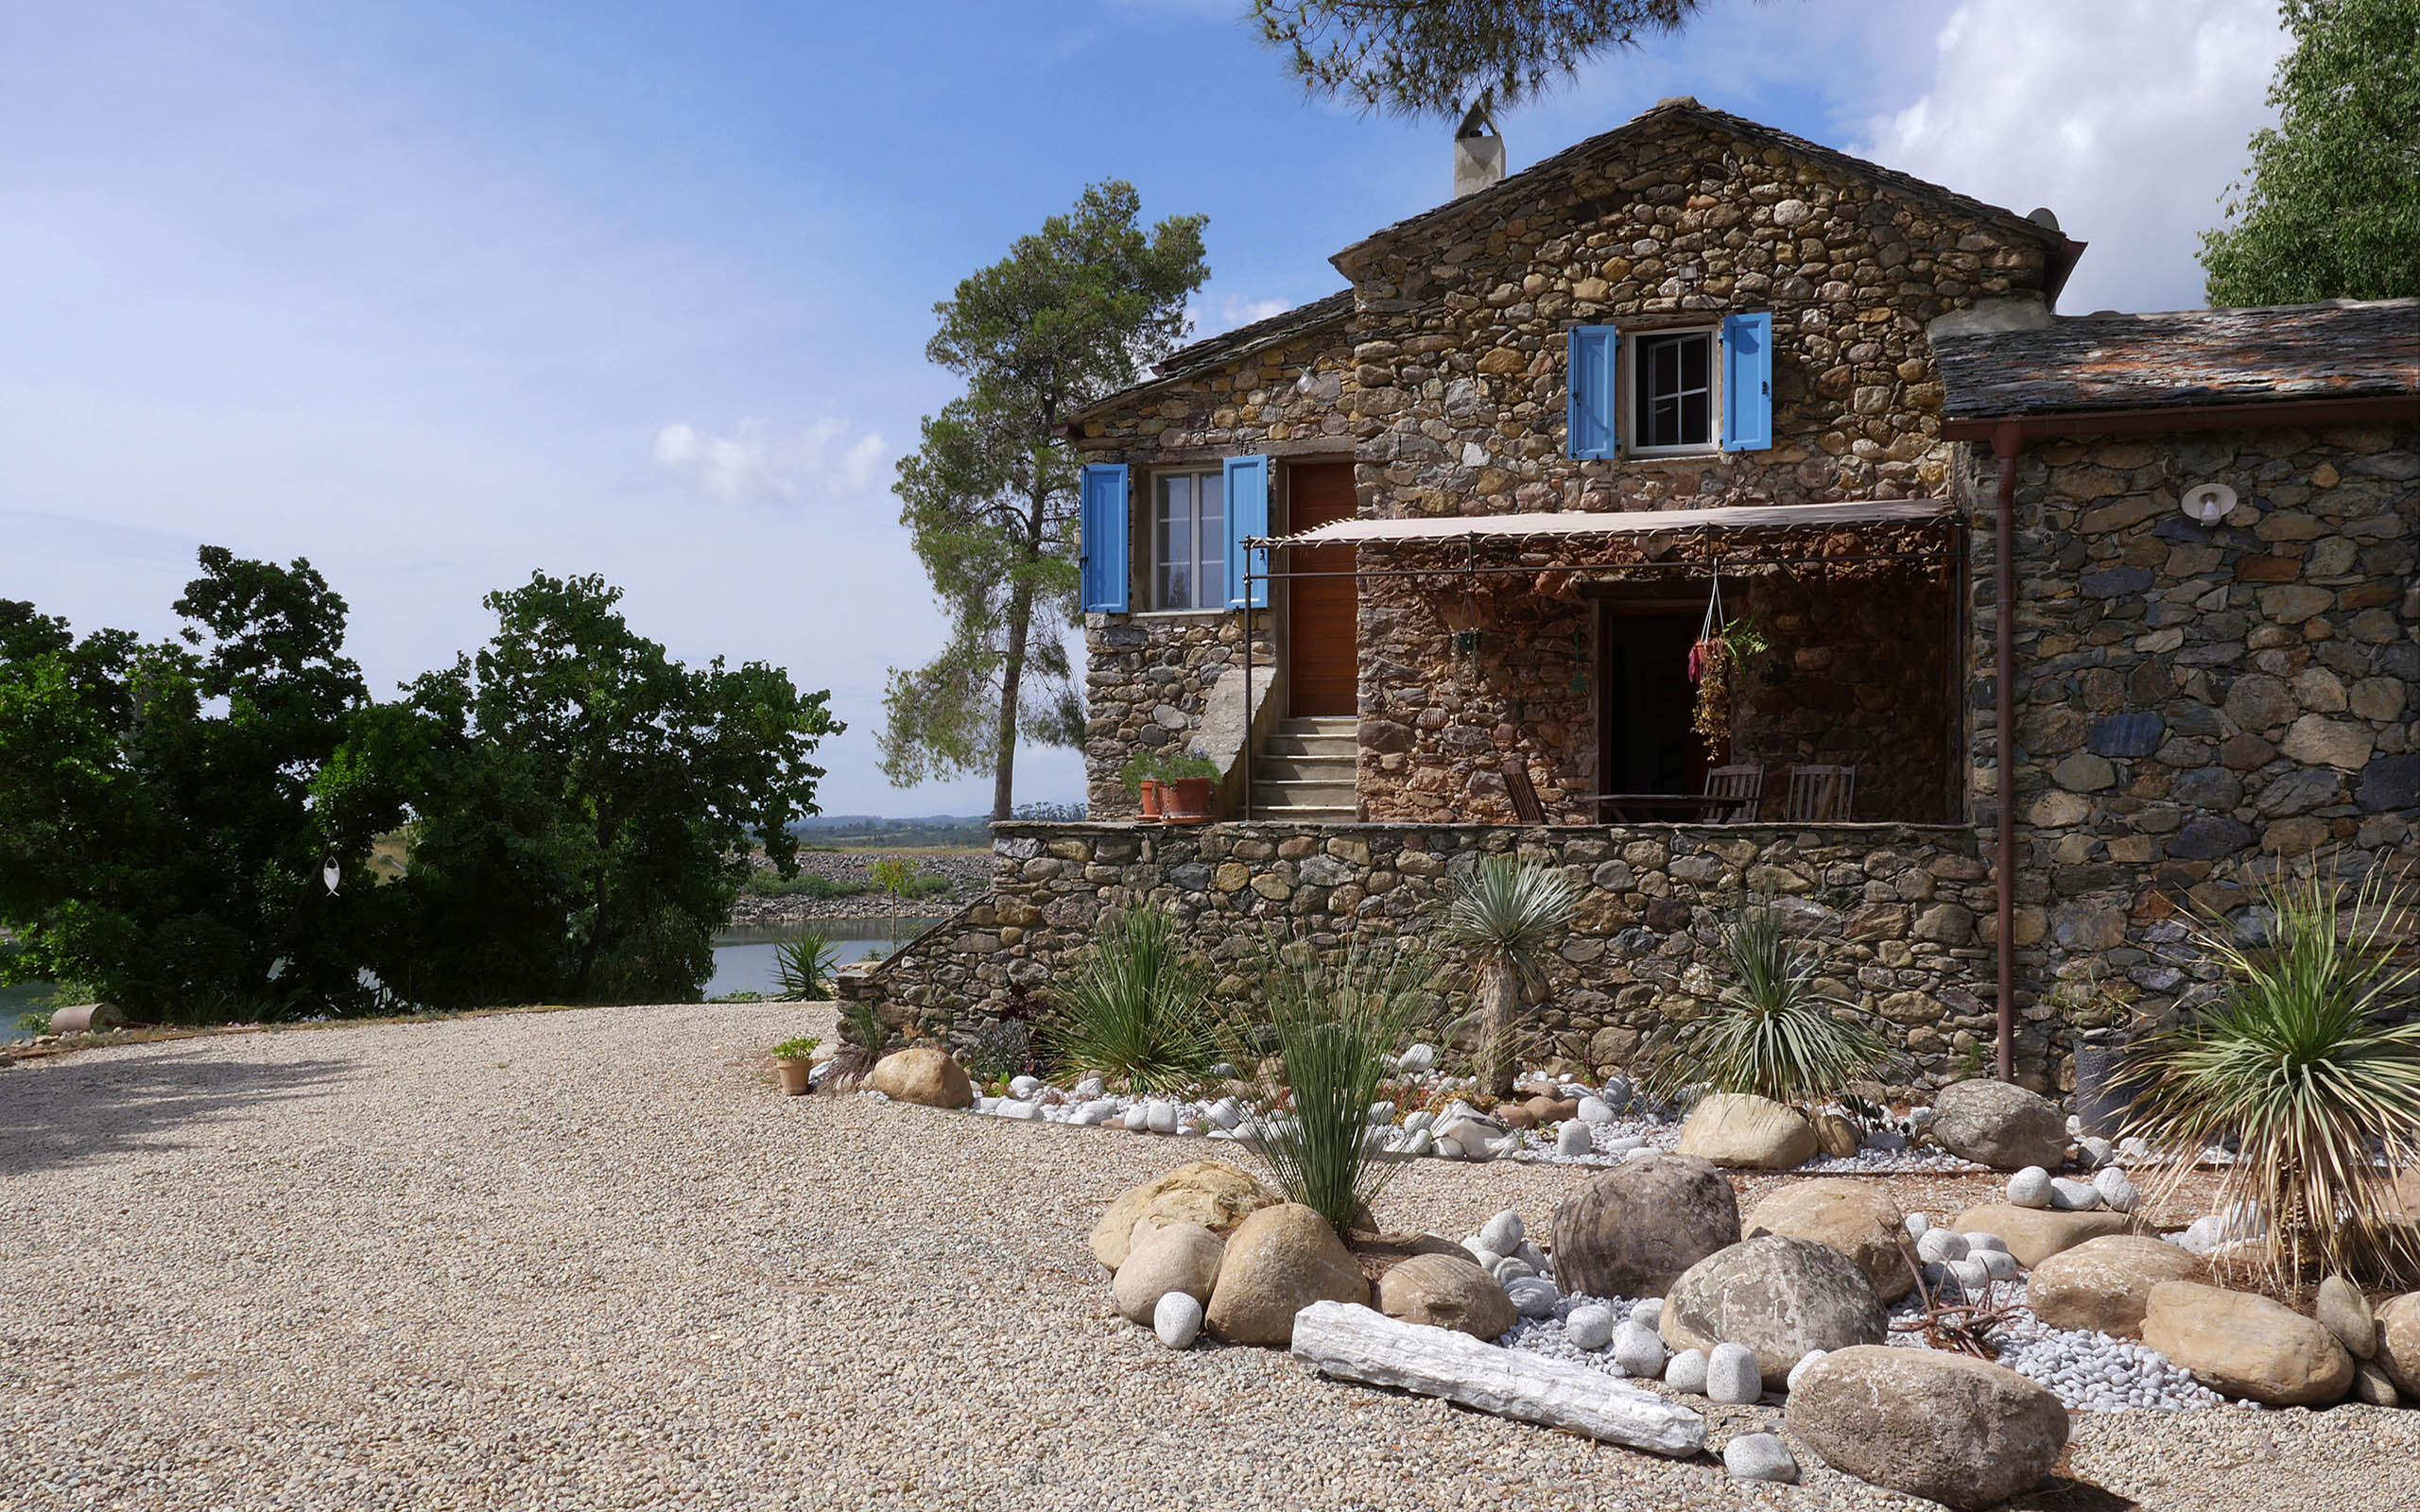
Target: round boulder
1930	1423
2000	1125
1747	1133
1178	1256
2399	1341
1210	1193
1857	1218
1279	1262
923	1074
1781	1297
1631	1231
2034	1234
2105	1284
1448	1293
2247	1346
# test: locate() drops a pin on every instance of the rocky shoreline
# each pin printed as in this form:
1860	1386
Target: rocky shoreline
968	873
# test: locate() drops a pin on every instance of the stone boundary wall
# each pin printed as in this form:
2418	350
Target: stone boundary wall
1896	907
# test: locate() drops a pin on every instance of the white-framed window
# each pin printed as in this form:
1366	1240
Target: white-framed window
1675	380
1189	539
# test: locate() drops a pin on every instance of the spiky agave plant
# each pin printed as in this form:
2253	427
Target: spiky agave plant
1508	913
2295	1062
803	966
1334	1027
1133	1006
1772	1031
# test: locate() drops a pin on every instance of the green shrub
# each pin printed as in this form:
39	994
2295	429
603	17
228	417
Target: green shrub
37	1021
996	1051
1509	915
802	1048
2295	1063
1333	1030
1771	1032
803	966
1132	1006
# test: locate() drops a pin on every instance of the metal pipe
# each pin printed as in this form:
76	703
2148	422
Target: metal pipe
2007	442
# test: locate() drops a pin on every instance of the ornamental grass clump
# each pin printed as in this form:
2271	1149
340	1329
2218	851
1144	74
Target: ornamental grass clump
1132	1006
803	966
1774	1031
1509	915
2296	1063
1333	1029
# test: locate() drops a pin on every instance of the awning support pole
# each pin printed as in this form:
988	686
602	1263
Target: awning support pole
2007	442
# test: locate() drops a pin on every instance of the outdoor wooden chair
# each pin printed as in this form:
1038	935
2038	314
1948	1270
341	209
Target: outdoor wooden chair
1819	794
1523	792
1745	785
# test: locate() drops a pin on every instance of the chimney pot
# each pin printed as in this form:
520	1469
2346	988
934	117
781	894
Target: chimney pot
1479	152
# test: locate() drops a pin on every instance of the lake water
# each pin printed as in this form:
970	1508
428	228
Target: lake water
743	959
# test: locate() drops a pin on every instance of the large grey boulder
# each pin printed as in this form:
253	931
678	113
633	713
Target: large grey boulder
1857	1218
1943	1426
2000	1125
1446	1292
1781	1297
2105	1284
1631	1231
1280	1261
2247	1346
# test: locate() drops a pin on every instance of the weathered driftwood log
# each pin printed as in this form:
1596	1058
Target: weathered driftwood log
1361	1345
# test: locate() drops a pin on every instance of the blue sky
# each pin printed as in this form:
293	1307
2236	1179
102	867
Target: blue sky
438	295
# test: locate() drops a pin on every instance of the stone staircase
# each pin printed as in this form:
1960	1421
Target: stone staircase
1303	771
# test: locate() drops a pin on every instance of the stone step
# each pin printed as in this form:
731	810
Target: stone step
1327	748
1277	768
1290	795
1306	813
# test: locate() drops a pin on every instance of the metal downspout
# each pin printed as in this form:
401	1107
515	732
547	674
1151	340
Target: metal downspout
2007	440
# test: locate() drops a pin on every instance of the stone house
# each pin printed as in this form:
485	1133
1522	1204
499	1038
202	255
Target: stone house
1420	565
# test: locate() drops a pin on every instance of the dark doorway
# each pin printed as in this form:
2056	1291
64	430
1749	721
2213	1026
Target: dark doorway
1645	700
1321	611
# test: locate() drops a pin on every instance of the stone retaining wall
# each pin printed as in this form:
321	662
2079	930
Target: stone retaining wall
1897	906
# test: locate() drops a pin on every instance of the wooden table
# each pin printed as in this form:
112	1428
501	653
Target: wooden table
1664	808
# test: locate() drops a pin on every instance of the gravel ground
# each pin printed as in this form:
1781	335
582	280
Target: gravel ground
589	1259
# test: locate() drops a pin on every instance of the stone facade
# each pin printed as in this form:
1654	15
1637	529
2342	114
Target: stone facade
1148	685
1895	905
2199	709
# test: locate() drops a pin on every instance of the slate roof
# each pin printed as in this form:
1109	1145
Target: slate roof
1229	345
2339	350
1571	158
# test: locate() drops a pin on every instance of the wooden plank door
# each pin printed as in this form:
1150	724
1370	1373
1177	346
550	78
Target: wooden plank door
1322	613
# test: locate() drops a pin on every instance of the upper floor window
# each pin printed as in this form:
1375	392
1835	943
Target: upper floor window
1189	540
1674	390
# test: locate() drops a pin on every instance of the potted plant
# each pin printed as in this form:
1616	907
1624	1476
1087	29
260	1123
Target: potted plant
1189	789
1142	777
1716	659
792	1061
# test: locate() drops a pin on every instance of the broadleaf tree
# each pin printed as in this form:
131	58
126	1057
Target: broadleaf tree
1075	311
1440	57
2330	206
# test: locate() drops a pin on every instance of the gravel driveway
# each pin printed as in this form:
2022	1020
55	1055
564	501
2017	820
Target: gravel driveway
589	1259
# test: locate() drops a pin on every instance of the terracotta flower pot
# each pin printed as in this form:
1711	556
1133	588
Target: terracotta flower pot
1149	788
793	1074
1188	800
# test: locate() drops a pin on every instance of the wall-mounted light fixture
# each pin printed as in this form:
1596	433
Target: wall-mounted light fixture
1462	615
2207	503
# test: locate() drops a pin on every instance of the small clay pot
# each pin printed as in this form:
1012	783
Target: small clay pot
793	1074
1149	788
1188	800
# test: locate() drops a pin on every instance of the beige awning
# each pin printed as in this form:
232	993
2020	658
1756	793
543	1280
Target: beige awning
1630	522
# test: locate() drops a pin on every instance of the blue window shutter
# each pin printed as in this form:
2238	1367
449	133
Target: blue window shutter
1590	422
1247	516
1103	539
1747	382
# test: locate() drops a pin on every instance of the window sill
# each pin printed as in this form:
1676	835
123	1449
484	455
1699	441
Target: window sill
1675	454
1183	613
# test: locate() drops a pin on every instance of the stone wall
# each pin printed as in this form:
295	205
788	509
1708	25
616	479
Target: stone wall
1148	687
1288	393
1894	905
2200	709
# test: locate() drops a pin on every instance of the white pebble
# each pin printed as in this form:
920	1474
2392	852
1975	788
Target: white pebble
1024	1086
1732	1376
1998	1263
2117	1190
1977	1239
1160	1118
1685	1371
1639	1351
1573	1139
1486	1258
1590	1327
2029	1188
1760	1457
1533	1295
2070	1196
1595	1111
1941	1245
1917	1224
1138	1118
1647	1313
1177	1319
1502	1233
1513	1268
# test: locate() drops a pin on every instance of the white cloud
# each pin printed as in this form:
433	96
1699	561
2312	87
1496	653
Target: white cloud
2127	120
763	463
1230	311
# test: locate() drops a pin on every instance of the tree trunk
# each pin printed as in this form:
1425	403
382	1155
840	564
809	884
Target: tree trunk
1020	622
1500	1004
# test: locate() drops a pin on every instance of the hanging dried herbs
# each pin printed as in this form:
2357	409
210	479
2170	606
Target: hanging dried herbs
1715	663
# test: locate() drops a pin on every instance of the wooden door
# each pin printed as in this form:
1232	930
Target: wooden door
1321	612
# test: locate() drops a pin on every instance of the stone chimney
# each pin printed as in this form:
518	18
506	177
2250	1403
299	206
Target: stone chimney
1479	152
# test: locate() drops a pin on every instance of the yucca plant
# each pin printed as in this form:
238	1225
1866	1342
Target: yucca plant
863	1038
1772	1031
803	966
1334	1029
1133	1006
1508	913
2295	1063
